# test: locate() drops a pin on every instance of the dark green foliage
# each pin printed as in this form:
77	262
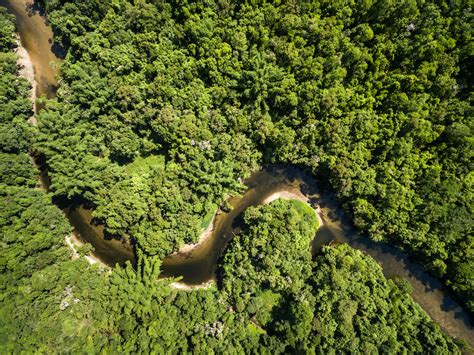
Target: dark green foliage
15	107
164	107
371	95
32	231
7	31
274	253
368	312
16	170
45	298
339	302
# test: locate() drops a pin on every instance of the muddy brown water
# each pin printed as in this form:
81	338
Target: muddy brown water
198	265
37	38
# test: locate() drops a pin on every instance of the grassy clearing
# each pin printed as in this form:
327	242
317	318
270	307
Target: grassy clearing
306	209
209	216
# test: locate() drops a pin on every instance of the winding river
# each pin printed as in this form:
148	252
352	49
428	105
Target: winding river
197	264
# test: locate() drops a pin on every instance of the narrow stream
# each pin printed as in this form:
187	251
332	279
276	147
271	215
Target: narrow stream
198	265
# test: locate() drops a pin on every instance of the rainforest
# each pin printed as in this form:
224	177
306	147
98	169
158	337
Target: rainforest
218	176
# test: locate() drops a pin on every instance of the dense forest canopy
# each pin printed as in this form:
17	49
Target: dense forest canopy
370	96
166	106
35	267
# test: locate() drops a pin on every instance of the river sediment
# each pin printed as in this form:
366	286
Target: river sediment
37	38
198	267
26	71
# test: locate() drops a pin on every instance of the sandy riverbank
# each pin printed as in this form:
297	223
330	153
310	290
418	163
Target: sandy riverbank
187	248
292	195
185	287
27	71
288	195
73	242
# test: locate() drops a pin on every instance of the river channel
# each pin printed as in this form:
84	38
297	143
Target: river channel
197	265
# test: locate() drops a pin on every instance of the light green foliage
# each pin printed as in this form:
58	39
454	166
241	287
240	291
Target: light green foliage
275	251
209	216
358	310
339	302
15	107
7	31
15	170
47	301
372	97
163	109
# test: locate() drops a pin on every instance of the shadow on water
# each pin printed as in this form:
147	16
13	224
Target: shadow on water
109	250
199	265
36	8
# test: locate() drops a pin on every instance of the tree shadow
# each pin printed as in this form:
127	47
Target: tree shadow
35	8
